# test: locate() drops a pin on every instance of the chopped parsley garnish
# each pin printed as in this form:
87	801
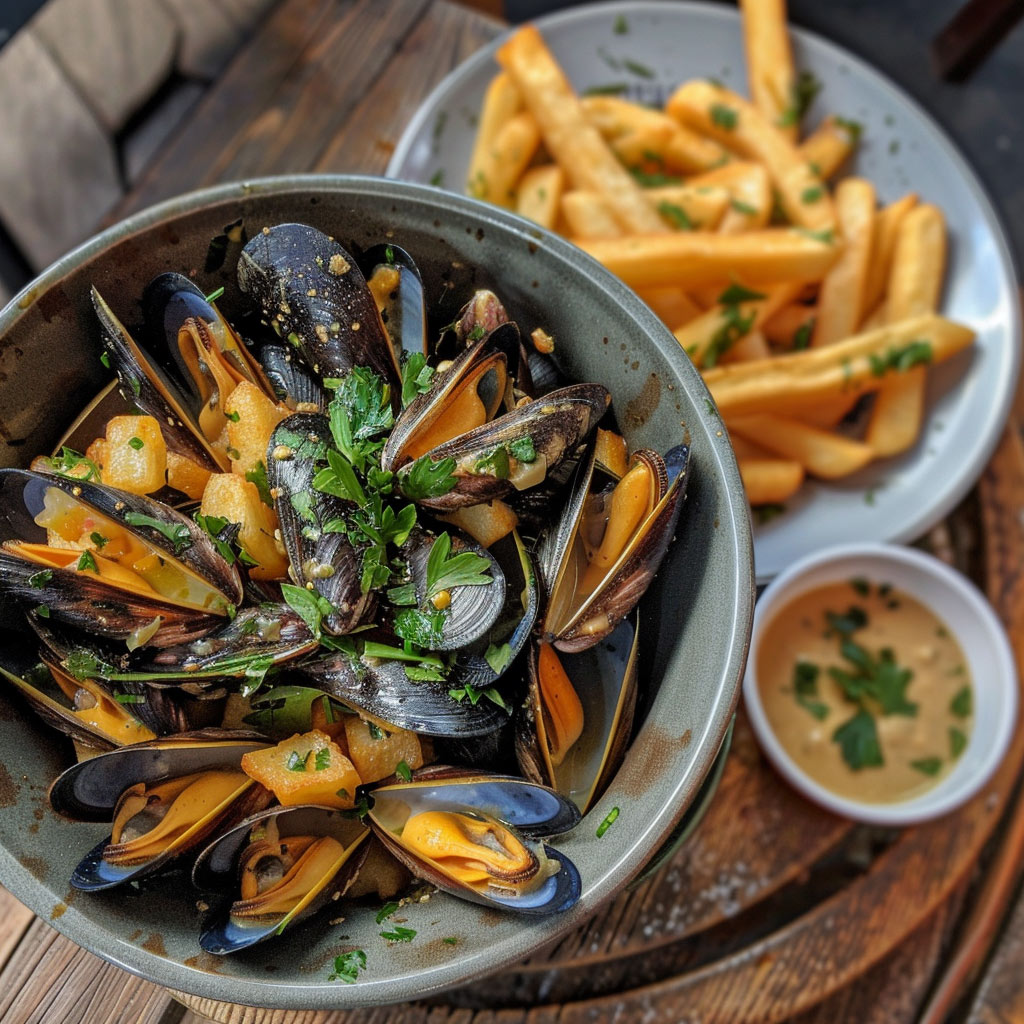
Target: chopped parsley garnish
428	479
234	416
914	353
38	580
129	698
638	69
136	443
962	704
804	89
309	605
620	28
498	657
347	966
215	294
258	476
42	611
927	765
437	178
853	129
385	912
723	116
98	539
805	688
177	533
802	335
858	741
609	820
609	89
297	762
445	571
522	449
656	179
812	194
69	460
399	934
826	236
741	207
404	772
322	761
957	742
416	377
450	940
676	216
766	513
734	324
861	585
105	359
472	694
375	731
87	562
736	293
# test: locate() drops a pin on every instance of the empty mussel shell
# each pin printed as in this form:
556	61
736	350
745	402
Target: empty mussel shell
469	835
277	868
397	288
573	727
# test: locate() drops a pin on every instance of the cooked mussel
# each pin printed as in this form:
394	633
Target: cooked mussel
278	867
292	380
118	565
164	798
605	550
397	288
470	835
81	709
573	727
316	298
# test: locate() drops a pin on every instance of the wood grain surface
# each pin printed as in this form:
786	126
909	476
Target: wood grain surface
774	910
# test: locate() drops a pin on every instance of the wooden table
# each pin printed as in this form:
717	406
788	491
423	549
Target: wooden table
774	910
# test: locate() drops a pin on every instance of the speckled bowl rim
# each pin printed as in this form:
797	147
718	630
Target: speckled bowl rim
734	519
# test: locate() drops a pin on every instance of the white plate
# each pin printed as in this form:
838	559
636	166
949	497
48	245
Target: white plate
902	150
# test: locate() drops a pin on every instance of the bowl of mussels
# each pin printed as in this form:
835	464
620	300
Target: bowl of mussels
375	590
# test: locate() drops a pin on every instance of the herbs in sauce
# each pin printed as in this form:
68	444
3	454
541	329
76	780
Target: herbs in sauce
867	690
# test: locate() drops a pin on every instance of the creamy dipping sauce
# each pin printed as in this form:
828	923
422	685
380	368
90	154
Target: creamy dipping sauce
866	689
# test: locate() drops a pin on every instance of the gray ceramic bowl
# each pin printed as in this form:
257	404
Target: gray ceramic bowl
695	626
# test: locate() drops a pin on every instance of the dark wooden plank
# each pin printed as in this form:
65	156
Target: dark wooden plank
15	919
1000	996
207	143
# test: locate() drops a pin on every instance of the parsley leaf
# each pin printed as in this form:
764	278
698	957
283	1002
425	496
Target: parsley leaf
416	377
403	771
421	628
385	912
38	580
962	704
136	443
68	461
258	476
428	479
803	91
736	293
399	934
805	688
309	605
322	761
676	215
177	533
445	571
297	762
86	561
858	741
609	820
347	966
957	741
723	116
927	765
498	657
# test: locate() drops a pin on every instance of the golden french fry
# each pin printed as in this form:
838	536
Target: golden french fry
878	317
589	216
828	146
841	301
791	326
505	159
682	207
750	195
709	336
744	449
643	149
821	453
843	370
770	70
915	282
770	481
569	137
827	415
673	306
687	258
539	194
731	120
684	150
887	223
750	346
501	103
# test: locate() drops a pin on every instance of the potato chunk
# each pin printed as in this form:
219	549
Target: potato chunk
308	768
251	420
186	476
376	753
236	500
134	456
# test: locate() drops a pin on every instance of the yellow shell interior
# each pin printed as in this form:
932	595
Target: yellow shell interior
98	710
561	710
277	877
123	560
159	818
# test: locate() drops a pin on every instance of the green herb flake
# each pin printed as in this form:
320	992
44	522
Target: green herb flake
638	69
620	28
105	359
676	216
309	605
446	571
914	353
927	765
861	585
745	208
609	820
347	966
737	293
322	761
87	562
234	416
42	611
258	476
215	294
297	762
177	533
498	657
416	377
136	443
812	194
404	772
38	580
385	912
522	449
450	940
962	704
802	336
428	479
957	742
437	178
858	742
98	539
399	934
725	117
129	698
802	94
805	689
766	513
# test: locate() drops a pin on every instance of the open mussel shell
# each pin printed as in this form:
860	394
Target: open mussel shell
175	587
483	663
315	297
580	613
81	709
144	383
285	882
89	791
471	836
470	392
397	288
470	611
325	560
516	451
292	380
573	728
383	690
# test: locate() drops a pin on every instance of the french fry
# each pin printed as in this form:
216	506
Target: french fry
750	195
770	63
539	194
821	453
682	207
505	159
878	317
643	149
840	371
883	243
826	416
569	137
672	306
708	336
731	120
841	301
828	146
744	449
915	282
791	326
770	481
687	258
751	346
501	103
683	150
